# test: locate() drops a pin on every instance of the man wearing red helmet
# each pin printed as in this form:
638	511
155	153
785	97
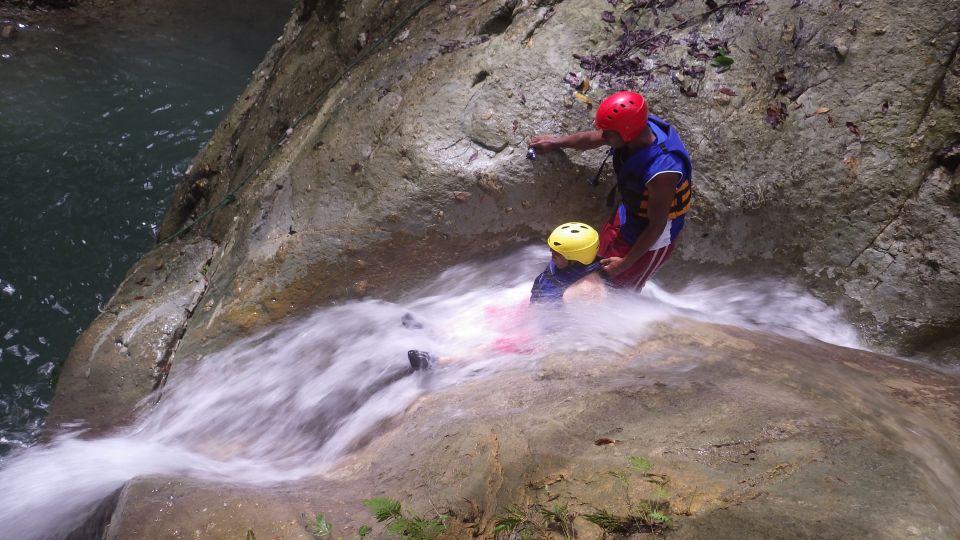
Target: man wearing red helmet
653	171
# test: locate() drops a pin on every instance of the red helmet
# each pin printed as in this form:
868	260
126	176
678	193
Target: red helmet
623	112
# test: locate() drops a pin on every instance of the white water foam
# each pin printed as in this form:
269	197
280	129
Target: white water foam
289	402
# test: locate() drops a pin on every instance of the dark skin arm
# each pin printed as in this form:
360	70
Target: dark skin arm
582	140
662	188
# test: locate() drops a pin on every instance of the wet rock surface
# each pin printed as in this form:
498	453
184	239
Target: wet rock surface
125	353
756	437
808	161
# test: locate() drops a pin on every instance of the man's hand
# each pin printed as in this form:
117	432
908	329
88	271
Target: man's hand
582	140
544	143
613	265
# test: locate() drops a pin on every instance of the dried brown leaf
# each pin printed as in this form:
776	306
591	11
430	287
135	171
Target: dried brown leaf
582	98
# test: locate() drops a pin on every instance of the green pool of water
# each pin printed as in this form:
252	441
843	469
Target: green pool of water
96	125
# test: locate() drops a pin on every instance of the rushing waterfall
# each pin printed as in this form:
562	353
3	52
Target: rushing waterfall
287	403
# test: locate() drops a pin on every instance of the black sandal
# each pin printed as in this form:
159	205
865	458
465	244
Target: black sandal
421	360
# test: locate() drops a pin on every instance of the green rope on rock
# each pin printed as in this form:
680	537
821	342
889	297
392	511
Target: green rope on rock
231	195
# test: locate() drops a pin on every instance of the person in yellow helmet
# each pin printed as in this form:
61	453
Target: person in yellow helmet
573	271
572	274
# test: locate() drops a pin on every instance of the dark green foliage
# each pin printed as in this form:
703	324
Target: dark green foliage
407	527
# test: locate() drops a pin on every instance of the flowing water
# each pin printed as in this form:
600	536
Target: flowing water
96	124
289	402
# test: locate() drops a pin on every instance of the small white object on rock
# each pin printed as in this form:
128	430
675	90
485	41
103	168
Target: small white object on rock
840	47
452	8
362	39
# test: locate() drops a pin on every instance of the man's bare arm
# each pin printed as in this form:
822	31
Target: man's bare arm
662	189
582	140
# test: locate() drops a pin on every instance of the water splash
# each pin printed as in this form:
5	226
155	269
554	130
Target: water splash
289	402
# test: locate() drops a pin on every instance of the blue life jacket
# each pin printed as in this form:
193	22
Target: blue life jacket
638	166
552	282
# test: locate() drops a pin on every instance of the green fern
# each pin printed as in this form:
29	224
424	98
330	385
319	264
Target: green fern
363	531
559	515
513	518
606	521
384	508
320	526
409	527
660	517
640	464
621	476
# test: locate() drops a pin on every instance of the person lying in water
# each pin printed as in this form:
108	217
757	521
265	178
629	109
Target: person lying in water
571	276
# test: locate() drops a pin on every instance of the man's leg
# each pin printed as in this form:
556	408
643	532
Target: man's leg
637	275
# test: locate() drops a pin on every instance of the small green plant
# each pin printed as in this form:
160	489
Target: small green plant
319	527
658	516
383	508
621	476
363	531
645	516
606	521
640	464
720	60
512	519
559	515
409	526
535	521
650	516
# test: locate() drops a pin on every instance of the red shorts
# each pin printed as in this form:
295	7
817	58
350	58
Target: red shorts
612	245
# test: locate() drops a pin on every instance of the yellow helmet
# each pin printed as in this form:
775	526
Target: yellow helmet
575	241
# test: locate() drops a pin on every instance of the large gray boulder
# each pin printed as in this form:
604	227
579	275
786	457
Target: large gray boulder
826	151
752	435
